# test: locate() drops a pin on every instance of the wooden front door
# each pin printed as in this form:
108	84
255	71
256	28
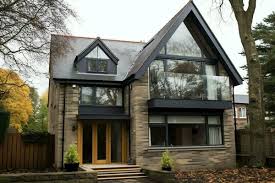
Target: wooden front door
101	143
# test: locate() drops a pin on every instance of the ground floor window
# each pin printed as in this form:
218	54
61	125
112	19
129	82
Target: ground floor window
185	130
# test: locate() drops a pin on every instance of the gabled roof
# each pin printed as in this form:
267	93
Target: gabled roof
95	43
62	66
153	47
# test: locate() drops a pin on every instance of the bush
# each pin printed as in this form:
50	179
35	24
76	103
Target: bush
166	161
5	120
71	156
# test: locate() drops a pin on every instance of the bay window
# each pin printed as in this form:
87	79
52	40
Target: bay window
172	131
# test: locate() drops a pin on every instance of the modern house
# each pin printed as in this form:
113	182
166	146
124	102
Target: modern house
127	102
241	102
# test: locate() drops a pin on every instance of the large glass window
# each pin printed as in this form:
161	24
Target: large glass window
101	96
97	61
191	80
182	43
185	130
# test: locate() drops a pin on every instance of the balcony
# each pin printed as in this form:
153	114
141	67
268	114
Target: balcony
189	91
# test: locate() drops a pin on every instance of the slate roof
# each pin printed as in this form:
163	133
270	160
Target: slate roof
63	66
135	57
241	99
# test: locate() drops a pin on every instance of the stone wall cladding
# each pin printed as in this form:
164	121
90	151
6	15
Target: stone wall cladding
71	111
56	177
187	159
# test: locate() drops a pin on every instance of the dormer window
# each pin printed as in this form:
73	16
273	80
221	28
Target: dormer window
97	61
96	58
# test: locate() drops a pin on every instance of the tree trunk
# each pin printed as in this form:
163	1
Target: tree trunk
255	80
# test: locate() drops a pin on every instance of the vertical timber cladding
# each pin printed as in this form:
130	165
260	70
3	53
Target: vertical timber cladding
124	142
219	157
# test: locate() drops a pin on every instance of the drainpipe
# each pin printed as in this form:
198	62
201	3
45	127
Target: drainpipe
63	126
129	113
235	117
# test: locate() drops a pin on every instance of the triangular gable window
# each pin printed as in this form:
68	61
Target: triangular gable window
97	61
182	43
96	58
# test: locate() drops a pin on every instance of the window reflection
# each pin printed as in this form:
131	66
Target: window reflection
101	96
173	79
182	43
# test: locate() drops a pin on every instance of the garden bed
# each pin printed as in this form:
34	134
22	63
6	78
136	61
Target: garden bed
240	175
49	177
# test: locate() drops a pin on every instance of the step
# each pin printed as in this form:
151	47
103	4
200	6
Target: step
119	170
120	174
115	167
117	178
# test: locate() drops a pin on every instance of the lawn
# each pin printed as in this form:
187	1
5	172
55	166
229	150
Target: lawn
240	175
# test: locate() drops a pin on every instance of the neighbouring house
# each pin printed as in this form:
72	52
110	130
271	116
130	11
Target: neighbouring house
127	102
241	102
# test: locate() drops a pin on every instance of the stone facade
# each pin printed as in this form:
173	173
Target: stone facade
141	154
184	158
70	118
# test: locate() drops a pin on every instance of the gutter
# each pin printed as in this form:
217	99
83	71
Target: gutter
63	126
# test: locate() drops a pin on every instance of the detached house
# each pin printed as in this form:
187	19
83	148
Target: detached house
127	102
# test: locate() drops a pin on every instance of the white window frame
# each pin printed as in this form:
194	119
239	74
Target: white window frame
242	112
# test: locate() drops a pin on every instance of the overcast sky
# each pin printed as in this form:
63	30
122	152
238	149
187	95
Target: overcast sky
139	20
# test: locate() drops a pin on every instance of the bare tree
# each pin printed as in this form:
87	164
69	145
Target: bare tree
244	17
25	29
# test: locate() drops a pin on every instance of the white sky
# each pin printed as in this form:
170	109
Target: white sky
142	19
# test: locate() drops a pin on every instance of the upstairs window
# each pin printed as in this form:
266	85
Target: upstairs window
97	61
182	43
101	96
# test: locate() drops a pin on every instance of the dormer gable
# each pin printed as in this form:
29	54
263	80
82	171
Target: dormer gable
96	58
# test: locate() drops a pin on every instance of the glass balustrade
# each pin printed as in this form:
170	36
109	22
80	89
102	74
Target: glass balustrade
168	85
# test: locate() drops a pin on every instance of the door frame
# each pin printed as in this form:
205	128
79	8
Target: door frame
95	159
124	141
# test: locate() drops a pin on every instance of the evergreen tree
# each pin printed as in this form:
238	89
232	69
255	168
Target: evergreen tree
264	35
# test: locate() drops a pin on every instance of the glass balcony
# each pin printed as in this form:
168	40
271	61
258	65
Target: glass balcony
167	85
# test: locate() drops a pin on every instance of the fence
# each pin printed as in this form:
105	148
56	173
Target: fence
243	145
16	154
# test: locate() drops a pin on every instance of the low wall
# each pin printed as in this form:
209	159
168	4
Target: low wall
56	177
160	176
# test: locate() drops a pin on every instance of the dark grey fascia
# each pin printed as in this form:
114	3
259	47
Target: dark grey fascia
90	82
188	104
101	112
102	116
96	42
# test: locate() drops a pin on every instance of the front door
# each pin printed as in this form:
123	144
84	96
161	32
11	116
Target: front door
102	143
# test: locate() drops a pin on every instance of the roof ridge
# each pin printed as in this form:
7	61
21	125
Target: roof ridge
85	37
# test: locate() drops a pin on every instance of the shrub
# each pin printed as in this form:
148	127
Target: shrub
5	119
71	156
166	161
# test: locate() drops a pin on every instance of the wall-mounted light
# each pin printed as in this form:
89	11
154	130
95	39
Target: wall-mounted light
74	127
74	86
